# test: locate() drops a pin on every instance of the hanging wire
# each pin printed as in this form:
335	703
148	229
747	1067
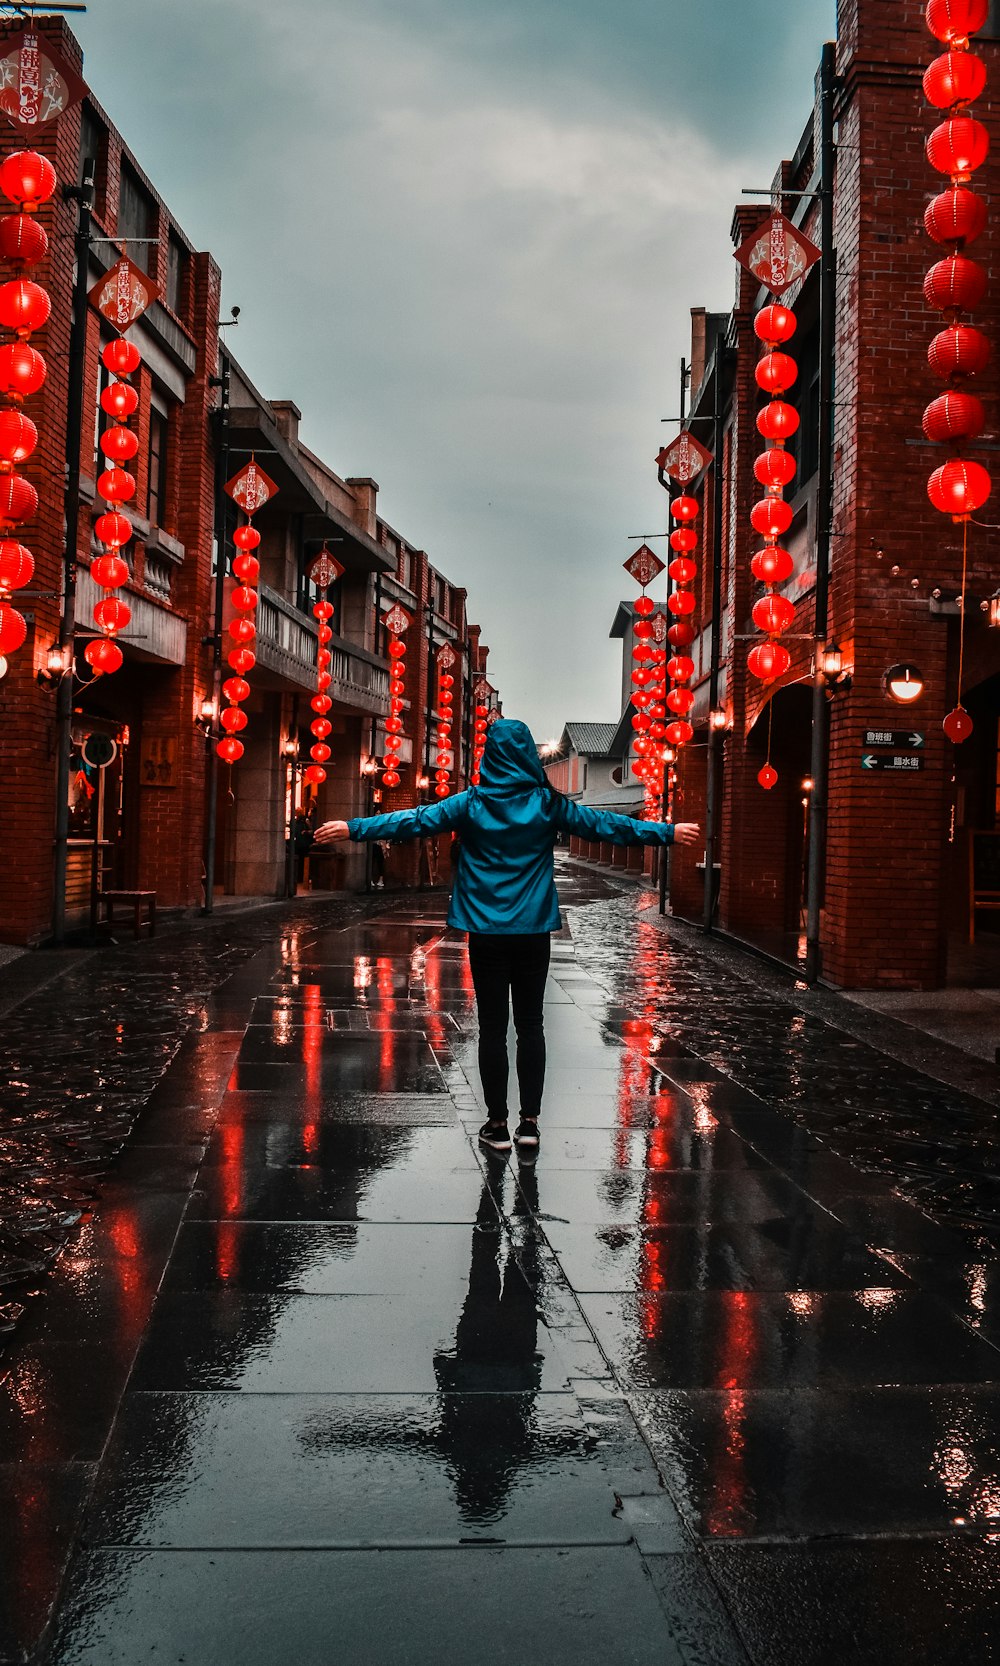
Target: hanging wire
961	626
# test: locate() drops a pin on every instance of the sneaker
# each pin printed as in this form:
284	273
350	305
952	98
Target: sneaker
526	1132
496	1135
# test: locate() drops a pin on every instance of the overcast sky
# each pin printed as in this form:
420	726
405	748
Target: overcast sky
465	236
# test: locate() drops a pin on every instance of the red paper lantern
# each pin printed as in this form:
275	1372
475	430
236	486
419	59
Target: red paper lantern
679	733
776	372
242	631
955	216
768	660
442	790
773	614
683	570
119	400
680	700
960	350
390	778
682	539
321	703
116	485
954	78
681	633
955	20
680	668
113	529
22	239
18	437
957	725
775	468
236	689
246	568
777	421
112	614
109	571
681	602
685	508
959	487
397	649
320	752
27	178
323	610
955	284
18	498
119	444
103	656
772	565
233	718
17	565
768	777
958	147
954	416
316	775
13	629
242	660
22	370
230	749
121	357
644	606
246	537
771	517
775	324
24	306
244	598
643	631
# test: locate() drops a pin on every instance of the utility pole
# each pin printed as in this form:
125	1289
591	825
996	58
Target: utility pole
83	195
819	761
221	516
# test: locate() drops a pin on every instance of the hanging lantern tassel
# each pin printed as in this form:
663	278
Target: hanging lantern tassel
27	180
957	148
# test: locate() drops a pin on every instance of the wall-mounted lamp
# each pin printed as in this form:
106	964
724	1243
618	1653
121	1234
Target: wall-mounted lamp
423	781
836	674
206	715
904	684
991	608
808	784
669	754
57	662
718	718
290	748
369	766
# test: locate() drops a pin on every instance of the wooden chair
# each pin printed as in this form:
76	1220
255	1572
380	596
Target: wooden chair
138	901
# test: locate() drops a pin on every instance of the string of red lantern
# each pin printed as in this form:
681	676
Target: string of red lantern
396	622
480	724
682	570
957	147
27	180
445	704
648	678
323	572
250	489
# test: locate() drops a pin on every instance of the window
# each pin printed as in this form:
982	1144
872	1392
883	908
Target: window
991	28
177	271
93	143
403	568
156	491
137	219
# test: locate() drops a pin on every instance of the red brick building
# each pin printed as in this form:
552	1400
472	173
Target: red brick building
141	821
897	907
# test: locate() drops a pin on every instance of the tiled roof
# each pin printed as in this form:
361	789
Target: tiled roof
591	740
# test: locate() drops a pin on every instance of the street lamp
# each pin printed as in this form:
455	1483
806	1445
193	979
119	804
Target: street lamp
718	718
904	684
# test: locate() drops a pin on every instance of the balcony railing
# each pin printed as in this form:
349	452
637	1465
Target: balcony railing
286	646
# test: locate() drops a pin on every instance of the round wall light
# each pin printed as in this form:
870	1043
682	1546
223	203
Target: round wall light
904	684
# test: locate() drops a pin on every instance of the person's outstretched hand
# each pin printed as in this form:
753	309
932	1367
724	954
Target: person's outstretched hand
685	832
330	832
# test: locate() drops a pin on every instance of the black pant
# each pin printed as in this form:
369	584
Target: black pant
510	971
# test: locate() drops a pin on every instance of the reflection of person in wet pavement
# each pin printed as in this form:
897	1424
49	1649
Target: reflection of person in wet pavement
505	898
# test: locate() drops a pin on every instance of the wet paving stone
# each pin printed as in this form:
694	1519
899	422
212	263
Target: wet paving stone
326	1260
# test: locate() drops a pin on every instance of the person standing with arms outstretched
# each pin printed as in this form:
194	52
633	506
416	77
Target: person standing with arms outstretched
504	896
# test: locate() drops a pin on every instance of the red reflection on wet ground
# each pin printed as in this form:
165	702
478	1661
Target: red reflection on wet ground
384	983
726	1504
312	1058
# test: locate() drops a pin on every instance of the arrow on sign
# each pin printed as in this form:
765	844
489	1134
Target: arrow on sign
868	761
916	740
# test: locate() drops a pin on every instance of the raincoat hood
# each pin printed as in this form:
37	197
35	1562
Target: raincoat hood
510	762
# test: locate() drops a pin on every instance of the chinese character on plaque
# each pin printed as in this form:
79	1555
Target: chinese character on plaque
396	620
481	689
123	294
777	254
684	459
660	626
445	657
251	488
325	569
36	84
643	565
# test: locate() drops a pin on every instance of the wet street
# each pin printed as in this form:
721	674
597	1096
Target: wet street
301	1375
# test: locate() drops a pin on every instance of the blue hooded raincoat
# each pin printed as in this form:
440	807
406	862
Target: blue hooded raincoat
508	826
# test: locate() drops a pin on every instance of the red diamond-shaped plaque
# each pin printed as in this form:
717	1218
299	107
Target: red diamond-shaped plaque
396	620
251	488
325	569
36	84
660	627
123	294
777	254
643	565
481	690
445	657
684	459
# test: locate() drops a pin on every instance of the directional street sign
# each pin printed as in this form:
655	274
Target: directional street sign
897	739
901	763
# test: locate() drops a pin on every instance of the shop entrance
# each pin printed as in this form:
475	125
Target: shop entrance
973	865
783	816
95	854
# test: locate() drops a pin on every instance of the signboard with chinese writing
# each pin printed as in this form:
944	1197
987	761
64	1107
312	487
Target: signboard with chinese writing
643	565
684	459
123	294
397	620
899	763
251	488
158	761
445	657
895	738
661	625
325	570
777	254
36	83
